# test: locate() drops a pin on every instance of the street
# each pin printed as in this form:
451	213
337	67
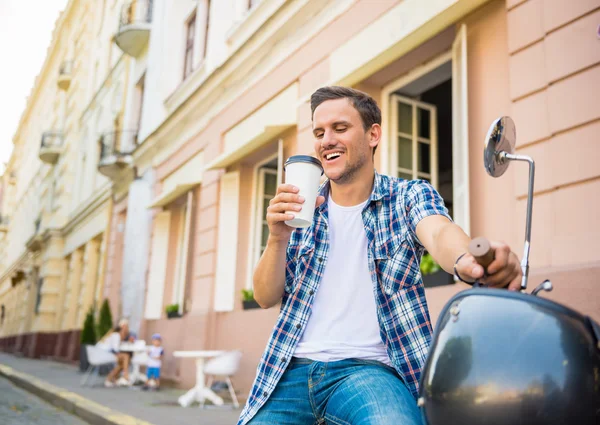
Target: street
18	407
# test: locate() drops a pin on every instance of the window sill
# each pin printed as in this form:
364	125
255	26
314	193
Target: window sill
175	315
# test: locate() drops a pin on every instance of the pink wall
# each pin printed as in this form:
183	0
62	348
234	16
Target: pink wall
512	70
554	63
114	260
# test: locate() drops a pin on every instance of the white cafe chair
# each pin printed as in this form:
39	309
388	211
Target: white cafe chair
225	365
97	357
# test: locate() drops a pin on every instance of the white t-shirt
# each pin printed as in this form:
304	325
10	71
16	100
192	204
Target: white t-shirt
343	323
154	356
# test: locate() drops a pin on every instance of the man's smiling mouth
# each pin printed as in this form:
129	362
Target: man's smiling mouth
332	156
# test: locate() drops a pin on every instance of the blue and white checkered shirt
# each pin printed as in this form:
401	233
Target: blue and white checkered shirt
390	219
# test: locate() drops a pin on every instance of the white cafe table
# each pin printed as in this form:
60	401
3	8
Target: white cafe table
135	348
200	391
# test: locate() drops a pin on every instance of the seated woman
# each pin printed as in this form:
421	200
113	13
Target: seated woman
111	342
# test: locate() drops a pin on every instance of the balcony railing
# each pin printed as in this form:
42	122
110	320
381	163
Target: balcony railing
115	151
134	27
65	73
51	147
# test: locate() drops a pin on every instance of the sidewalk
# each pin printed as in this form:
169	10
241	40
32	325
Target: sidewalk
58	383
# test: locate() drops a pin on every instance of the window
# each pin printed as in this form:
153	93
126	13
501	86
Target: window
182	253
138	102
188	65
207	23
267	188
415	130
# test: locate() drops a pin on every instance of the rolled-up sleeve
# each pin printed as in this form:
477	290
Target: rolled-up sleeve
422	200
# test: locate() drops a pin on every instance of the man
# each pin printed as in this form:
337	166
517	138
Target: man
354	330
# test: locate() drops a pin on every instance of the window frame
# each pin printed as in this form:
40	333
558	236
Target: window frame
206	29
190	39
180	277
261	213
415	138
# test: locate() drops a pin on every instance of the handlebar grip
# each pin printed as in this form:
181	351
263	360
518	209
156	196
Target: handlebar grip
482	251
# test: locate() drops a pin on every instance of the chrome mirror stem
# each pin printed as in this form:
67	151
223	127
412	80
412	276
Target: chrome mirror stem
525	260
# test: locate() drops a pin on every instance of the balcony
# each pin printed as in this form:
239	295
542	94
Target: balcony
52	142
115	152
65	74
34	243
135	22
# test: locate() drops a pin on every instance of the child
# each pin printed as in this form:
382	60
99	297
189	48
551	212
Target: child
154	362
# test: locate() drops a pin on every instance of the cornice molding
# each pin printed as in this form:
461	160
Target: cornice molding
87	208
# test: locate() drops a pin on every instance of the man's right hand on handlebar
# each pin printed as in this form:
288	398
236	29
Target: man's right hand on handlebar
503	272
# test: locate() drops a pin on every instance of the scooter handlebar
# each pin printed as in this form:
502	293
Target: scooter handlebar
481	249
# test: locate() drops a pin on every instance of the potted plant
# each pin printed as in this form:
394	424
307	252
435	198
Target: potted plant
248	301
88	337
433	274
172	311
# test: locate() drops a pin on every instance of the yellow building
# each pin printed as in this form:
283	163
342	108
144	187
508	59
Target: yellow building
56	194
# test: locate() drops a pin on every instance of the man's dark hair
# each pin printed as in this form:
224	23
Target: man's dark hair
365	105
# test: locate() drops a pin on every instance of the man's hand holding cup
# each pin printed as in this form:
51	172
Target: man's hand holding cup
282	207
295	202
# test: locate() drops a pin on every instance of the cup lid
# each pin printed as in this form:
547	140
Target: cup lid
303	158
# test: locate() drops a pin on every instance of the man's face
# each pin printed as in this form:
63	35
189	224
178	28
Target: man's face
341	142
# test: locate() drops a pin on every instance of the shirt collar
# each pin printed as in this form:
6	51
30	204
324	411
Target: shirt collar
376	195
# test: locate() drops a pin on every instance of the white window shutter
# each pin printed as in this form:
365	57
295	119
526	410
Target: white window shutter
227	242
460	136
182	256
158	266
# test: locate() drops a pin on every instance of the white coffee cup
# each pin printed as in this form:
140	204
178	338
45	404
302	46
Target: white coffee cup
305	173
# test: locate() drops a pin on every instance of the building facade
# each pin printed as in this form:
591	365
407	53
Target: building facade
217	95
57	200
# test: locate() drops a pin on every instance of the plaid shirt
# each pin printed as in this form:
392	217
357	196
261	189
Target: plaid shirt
394	254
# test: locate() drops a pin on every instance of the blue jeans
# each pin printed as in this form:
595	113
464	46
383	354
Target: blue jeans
346	392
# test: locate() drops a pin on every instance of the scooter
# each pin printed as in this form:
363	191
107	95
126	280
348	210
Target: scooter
511	358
